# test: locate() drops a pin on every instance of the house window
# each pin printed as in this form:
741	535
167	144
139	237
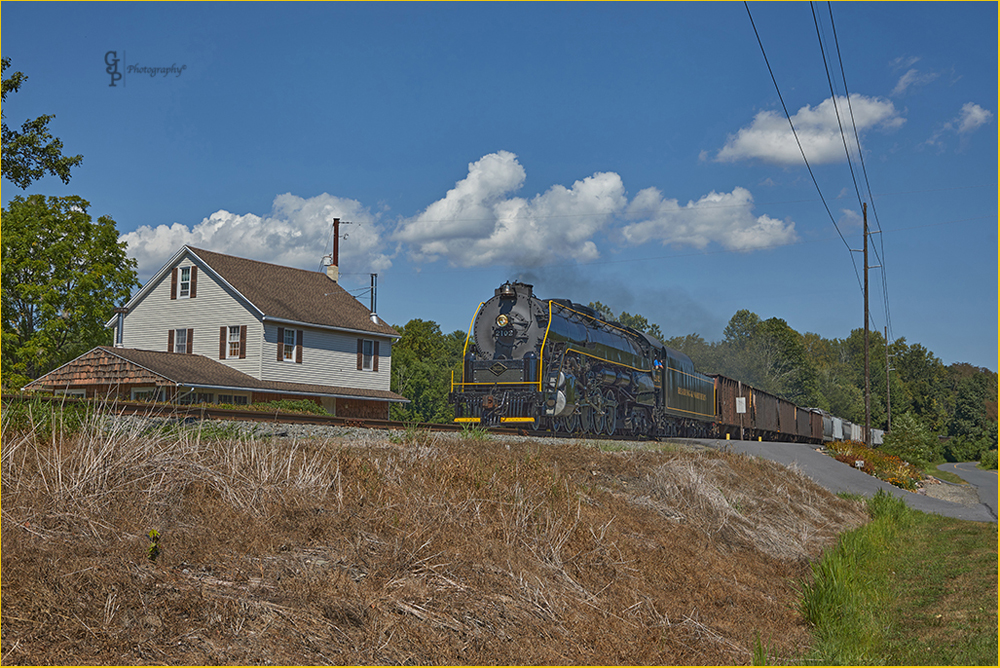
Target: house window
234	341
290	345
181	340
145	394
185	282
205	398
78	394
233	399
367	355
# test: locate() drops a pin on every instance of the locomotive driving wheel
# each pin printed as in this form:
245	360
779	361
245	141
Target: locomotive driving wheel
587	418
610	409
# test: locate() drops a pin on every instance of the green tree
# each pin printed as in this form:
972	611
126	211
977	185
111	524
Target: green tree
422	364
639	322
912	441
741	329
31	152
62	276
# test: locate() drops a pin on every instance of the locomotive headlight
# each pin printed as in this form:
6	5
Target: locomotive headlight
502	320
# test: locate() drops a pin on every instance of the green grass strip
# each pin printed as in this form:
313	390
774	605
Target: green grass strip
908	588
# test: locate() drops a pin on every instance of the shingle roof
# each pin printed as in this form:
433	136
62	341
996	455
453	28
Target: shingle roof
102	365
298	295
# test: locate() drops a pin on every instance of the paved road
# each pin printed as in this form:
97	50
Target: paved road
985	482
838	477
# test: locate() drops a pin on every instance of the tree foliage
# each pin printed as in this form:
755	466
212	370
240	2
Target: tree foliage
912	441
62	276
422	364
32	152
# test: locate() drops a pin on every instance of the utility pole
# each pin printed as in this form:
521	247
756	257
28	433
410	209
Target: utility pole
868	389
888	404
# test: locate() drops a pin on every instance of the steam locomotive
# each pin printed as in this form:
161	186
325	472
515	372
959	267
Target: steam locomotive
559	366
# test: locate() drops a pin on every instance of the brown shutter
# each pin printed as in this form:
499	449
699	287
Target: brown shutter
173	283
361	352
194	282
190	341
243	342
375	356
281	344
298	347
223	342
170	341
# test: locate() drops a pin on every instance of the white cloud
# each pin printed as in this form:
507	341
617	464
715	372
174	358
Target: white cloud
295	234
972	117
725	218
479	223
913	78
969	119
769	137
897	64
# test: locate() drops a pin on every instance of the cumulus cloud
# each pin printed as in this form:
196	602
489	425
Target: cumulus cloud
769	137
913	78
479	222
723	218
296	234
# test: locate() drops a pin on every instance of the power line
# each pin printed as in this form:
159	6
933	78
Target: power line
864	170
799	143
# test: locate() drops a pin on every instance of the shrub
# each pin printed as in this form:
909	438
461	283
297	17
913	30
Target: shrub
989	460
972	446
878	463
289	406
912	441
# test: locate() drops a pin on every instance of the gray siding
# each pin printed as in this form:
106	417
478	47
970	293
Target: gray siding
328	358
148	323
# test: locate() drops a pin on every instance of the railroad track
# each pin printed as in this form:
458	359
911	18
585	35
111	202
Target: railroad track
208	412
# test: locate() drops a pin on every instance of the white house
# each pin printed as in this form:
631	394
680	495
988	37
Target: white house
287	332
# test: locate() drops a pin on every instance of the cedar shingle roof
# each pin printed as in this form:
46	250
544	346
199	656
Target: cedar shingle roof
109	366
293	294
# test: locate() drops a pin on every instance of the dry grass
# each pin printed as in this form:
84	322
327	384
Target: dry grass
433	550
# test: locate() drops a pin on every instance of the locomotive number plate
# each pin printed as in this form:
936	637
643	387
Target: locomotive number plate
505	331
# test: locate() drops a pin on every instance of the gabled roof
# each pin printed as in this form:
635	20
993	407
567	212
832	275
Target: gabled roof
281	293
104	365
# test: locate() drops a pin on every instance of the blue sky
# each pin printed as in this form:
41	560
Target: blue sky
633	154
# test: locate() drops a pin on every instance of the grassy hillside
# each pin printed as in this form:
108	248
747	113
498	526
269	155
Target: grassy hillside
408	548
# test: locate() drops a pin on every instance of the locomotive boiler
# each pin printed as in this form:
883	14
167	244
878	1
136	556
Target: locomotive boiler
553	364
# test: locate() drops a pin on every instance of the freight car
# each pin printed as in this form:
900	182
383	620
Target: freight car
557	365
